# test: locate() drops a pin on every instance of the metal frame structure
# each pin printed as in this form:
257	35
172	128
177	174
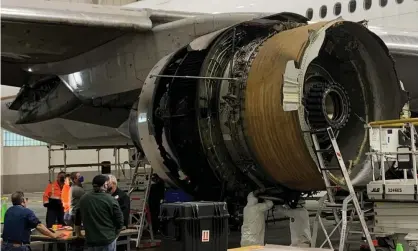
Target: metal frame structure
395	200
411	123
139	180
120	167
350	200
387	212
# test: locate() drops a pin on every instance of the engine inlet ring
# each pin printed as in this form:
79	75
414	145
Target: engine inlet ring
335	106
326	102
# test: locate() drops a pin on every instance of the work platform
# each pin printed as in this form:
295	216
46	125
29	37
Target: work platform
276	248
392	201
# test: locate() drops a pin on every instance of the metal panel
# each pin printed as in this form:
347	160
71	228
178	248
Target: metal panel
389	205
413	211
396	217
65	13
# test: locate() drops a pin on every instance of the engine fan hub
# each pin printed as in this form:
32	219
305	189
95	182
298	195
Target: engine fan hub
327	105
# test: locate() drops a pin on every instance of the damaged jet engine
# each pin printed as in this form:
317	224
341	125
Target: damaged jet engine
228	113
223	106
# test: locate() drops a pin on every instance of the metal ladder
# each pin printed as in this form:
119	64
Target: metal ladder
141	220
330	194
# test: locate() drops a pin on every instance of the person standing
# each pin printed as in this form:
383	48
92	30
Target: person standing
121	197
101	215
76	192
254	225
300	229
155	198
124	203
18	223
65	198
52	201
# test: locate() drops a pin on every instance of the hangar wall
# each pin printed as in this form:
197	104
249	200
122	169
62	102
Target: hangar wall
25	168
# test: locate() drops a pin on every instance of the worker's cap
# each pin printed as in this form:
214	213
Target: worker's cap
99	180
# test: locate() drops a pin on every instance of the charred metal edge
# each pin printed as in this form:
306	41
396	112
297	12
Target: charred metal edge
145	126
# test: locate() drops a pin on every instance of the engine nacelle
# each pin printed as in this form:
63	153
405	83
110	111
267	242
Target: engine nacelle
230	117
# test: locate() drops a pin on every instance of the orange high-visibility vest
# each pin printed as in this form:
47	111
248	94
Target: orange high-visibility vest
52	191
65	197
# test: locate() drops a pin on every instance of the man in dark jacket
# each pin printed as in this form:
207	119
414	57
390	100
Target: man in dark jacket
155	198
101	215
122	198
124	202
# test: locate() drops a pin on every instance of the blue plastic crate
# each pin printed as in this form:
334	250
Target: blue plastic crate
176	195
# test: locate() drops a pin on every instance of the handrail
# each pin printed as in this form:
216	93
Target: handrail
393	121
399	124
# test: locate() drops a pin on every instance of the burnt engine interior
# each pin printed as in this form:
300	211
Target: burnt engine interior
201	121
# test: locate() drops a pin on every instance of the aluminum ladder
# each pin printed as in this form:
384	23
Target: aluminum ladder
142	214
330	194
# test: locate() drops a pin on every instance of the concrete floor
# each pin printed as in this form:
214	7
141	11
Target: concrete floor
276	233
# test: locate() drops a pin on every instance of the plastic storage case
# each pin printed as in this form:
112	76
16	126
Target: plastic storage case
194	226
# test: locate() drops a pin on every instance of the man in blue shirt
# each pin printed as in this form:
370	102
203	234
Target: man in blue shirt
18	223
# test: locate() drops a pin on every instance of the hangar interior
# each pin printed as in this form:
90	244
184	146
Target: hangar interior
299	117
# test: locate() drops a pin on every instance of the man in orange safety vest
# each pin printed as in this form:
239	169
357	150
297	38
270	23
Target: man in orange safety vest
65	198
52	201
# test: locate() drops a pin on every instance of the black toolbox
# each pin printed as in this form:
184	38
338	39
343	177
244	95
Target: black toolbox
194	226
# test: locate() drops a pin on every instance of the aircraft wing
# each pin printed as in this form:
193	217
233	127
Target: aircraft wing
403	46
38	31
85	64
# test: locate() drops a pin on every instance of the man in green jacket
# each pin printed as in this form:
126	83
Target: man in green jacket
101	215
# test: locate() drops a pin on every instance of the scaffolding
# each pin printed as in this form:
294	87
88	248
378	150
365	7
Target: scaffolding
117	165
394	145
136	183
387	151
393	213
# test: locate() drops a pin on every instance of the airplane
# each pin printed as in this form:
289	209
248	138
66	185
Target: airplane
214	93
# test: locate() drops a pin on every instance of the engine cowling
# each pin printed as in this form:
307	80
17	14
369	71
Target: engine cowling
230	117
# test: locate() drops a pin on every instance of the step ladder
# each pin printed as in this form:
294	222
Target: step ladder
142	210
352	198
